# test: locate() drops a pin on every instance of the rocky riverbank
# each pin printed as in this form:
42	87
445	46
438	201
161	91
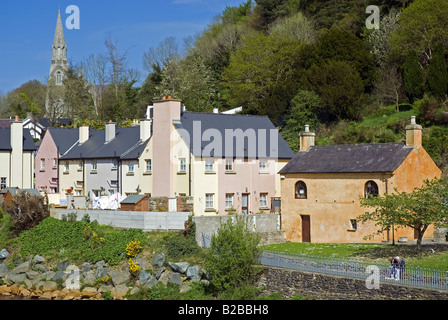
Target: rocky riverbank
36	278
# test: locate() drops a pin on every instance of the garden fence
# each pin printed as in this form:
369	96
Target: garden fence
413	276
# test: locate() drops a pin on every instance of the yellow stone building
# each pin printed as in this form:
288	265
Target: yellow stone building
321	186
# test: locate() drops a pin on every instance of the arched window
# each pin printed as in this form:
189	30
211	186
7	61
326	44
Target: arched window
370	189
301	190
59	77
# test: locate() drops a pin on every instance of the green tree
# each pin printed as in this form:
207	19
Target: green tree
342	45
437	73
232	259
413	77
418	210
423	24
77	99
262	75
339	87
304	108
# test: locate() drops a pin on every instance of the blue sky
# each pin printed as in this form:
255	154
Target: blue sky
27	30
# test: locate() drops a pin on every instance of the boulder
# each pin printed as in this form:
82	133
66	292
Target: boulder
38	259
176	279
4	269
23	267
158	260
165	277
194	273
4	254
119	277
144	276
89	278
49	286
13	277
119	291
62	265
180	267
150	283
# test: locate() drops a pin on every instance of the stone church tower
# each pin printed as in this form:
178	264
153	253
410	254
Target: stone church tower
59	63
58	69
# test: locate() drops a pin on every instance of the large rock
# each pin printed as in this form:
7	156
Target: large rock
175	278
38	259
158	260
119	277
180	267
194	273
144	276
3	254
150	283
3	269
23	267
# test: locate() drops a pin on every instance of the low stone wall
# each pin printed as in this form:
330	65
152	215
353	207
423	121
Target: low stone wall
267	225
326	287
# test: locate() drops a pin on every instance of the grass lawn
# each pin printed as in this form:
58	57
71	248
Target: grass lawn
432	255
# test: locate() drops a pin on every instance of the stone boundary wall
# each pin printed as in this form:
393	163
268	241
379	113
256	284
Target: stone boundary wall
327	287
268	225
146	221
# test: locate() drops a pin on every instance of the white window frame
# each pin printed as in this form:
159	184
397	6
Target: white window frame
262	165
182	165
229	165
148	165
229	201
3	183
94	164
42	164
209	201
131	168
67	166
263	200
209	165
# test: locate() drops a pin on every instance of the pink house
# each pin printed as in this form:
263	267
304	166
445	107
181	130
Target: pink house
55	142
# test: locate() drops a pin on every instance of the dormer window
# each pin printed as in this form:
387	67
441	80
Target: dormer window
371	189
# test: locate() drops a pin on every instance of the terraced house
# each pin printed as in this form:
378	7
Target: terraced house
16	157
104	162
227	163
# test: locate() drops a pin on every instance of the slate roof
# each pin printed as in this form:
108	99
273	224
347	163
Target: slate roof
5	140
362	158
63	138
15	191
222	122
96	147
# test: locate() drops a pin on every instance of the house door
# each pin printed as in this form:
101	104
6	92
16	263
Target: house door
245	203
172	205
306	229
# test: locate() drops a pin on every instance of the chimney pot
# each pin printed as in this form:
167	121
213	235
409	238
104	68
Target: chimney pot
306	139
413	134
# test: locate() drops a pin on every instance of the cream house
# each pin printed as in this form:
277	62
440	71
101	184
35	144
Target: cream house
16	157
227	163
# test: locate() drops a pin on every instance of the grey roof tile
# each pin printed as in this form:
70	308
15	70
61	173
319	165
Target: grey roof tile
362	158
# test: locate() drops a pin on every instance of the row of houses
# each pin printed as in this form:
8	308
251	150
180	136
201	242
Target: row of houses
223	163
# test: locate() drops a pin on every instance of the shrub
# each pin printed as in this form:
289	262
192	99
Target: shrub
177	245
27	211
232	259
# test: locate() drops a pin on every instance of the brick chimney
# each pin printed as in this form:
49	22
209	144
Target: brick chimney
16	153
306	139
110	131
413	134
83	133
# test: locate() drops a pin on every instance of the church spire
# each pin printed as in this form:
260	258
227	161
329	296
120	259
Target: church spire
59	40
59	62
